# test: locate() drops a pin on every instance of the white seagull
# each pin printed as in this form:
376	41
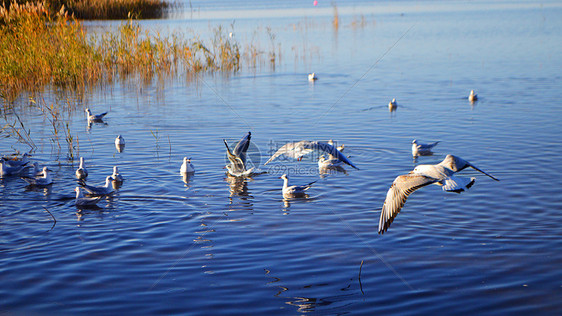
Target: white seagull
299	149
119	143
294	191
392	105
7	170
17	162
85	201
419	149
116	176
43	180
36	172
237	157
331	161
95	117
472	96
107	189
312	77
81	172
422	175
186	166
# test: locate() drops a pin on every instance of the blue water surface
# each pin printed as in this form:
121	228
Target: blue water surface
216	246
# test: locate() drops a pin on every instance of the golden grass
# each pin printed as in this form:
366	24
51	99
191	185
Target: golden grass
38	49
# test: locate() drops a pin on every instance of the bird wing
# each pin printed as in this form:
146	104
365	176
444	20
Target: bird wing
95	190
457	184
293	150
242	147
299	149
237	165
332	150
396	196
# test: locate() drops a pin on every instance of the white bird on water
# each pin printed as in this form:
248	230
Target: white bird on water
299	149
15	162
107	189
95	117
294	191
116	176
186	166
419	149
119	143
331	161
312	77
237	157
422	175
81	172
85	201
36	172
472	96
392	105
43	180
6	170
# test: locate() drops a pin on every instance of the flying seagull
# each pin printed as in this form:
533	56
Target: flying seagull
299	149
422	175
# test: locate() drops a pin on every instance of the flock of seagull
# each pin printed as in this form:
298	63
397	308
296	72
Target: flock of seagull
332	158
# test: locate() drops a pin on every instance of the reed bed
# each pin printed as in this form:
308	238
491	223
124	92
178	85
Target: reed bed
104	9
38	49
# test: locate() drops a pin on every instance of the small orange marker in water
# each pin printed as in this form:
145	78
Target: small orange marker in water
315	2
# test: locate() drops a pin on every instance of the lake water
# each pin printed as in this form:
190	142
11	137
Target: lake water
161	246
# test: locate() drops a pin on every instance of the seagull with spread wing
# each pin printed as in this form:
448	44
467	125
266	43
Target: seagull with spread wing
237	157
422	175
299	149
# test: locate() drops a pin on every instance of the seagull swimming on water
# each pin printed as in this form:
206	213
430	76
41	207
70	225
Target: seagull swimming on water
81	172
298	149
419	149
7	170
312	77
422	175
43	180
116	176
186	166
237	157
15	162
36	172
95	117
392	105
294	191
85	201
472	96
107	189
119	143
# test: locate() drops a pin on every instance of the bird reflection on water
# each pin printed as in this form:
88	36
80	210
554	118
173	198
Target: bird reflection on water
312	304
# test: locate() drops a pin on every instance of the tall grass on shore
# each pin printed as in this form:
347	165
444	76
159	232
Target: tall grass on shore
104	9
38	49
